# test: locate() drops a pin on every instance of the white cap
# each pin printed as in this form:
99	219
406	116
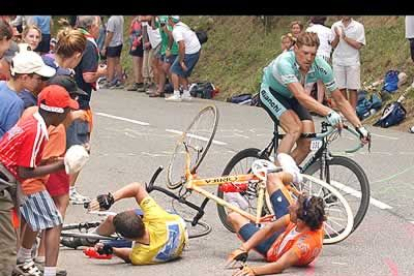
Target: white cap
28	62
175	18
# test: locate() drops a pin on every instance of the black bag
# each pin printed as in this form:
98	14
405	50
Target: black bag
202	36
205	90
392	114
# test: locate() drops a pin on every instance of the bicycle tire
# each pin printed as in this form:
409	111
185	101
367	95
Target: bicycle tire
175	166
206	229
231	165
360	208
331	208
93	238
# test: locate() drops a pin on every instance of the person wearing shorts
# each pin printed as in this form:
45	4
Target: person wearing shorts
349	38
188	56
112	50
295	238
283	95
137	53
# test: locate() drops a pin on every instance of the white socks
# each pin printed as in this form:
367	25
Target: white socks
24	255
49	271
288	165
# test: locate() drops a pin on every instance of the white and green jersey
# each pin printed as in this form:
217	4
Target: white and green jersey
284	70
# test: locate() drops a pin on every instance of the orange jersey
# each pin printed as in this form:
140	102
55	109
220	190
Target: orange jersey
307	245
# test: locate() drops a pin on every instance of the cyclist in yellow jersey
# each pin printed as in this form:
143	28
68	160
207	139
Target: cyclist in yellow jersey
157	237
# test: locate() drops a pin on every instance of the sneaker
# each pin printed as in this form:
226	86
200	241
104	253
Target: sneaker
237	200
26	269
141	87
59	271
186	97
174	98
117	85
132	87
78	199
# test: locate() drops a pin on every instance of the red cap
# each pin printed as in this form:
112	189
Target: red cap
54	98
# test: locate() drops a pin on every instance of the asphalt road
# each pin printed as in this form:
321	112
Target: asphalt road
134	134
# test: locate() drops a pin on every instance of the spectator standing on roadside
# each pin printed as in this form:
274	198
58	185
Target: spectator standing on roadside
45	24
349	38
189	50
27	71
296	28
137	53
112	50
287	42
87	72
317	25
32	36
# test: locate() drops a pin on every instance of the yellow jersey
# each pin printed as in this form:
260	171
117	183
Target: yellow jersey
167	235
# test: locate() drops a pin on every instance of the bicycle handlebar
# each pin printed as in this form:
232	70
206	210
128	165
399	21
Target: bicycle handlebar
332	129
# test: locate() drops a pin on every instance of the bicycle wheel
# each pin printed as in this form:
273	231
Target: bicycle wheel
350	180
198	137
201	229
74	235
241	163
340	220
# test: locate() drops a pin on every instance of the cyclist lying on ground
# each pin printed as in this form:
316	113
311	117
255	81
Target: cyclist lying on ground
283	96
159	236
294	239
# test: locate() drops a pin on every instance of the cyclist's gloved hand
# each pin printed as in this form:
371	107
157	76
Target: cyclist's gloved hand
238	255
106	249
103	201
364	135
334	119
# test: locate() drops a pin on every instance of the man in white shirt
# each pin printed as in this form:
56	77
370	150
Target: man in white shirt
189	48
349	39
325	38
409	34
112	49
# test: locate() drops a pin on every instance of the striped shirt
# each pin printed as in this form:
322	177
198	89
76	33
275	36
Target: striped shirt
23	144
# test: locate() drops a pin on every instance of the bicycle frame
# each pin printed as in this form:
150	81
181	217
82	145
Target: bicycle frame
322	153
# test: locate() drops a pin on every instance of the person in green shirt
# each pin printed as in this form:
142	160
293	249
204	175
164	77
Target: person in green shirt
169	52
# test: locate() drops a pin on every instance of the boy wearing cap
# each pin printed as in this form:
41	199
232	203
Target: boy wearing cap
189	48
27	70
20	158
57	183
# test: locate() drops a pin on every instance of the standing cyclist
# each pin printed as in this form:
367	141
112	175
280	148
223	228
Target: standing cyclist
283	96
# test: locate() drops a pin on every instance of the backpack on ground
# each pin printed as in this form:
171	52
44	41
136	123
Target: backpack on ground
205	90
366	103
393	114
391	81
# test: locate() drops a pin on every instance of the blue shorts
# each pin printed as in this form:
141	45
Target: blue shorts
190	61
280	205
170	59
77	133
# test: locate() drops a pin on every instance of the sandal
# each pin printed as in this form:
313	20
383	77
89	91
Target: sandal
157	94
